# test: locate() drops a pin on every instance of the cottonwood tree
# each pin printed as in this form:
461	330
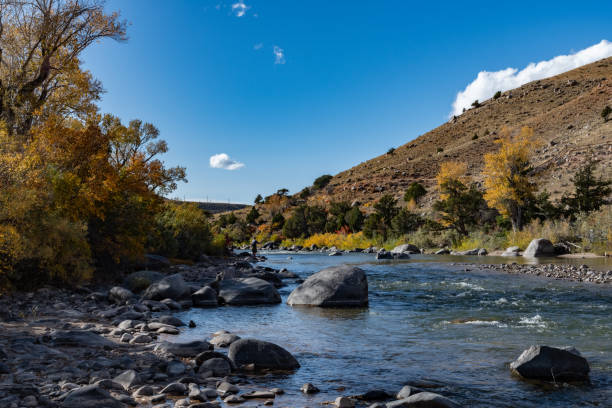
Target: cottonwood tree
590	192
508	184
40	45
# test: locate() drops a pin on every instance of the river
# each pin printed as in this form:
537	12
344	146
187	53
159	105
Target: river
451	327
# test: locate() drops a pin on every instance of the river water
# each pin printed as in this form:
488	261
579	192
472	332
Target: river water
451	327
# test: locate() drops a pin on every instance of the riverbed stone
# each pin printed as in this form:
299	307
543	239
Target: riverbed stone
539	247
128	379
551	364
224	340
337	286
407	391
204	297
176	388
120	295
175	368
190	349
511	251
309	388
262	354
384	254
170	287
344	402
248	291
170	320
406	249
423	400
90	396
218	366
140	280
81	338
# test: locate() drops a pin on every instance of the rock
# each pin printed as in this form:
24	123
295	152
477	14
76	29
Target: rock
374	395
190	349
195	393
539	247
344	402
278	391
308	388
204	297
176	388
207	355
144	391
262	354
443	251
384	254
156	262
248	291
192	324
224	340
406	249
335	253
551	364
469	252
172	304
218	366
170	287
175	368
561	248
120	295
126	338
165	329
170	320
259	395
482	252
233	399
423	400
338	286
90	396
30	401
128	379
226	388
511	251
141	339
407	391
271	277
81	338
126	324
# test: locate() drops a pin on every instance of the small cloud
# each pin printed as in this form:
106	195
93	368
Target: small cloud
258	46
279	55
487	83
223	161
239	8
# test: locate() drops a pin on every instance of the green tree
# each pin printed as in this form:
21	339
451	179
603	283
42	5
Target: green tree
278	221
605	113
322	181
337	211
460	207
305	221
405	222
258	199
590	192
414	192
282	192
354	219
252	216
387	208
374	226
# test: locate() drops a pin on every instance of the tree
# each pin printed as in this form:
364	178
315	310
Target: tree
414	192
374	226
322	181
41	41
278	221
497	95
305	193
338	211
605	113
258	199
282	192
391	151
305	221
354	219
387	208
405	222
460	207
590	192
252	216
507	181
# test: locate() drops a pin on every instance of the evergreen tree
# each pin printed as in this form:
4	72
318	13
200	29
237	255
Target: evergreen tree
461	205
252	216
414	192
590	192
258	199
354	219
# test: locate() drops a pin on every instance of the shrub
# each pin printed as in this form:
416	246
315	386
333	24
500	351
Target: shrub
405	222
322	181
439	150
605	113
277	222
475	136
414	192
354	219
391	151
476	104
305	193
497	95
258	199
252	216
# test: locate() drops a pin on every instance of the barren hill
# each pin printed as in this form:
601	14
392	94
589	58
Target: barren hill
564	111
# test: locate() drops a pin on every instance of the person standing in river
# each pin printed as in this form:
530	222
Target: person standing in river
254	247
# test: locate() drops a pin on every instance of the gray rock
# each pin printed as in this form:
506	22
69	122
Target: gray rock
262	354
469	252
539	247
144	391
248	291
407	391
406	249
384	254
126	338
335	253
226	388
344	402
338	286
170	287
90	396
175	368
224	340
551	364
443	251
424	400
482	252
562	248
176	388
190	349
126	324
207	355
128	379
120	295
170	320
511	251
204	297
308	388
81	338
141	339
139	281
218	366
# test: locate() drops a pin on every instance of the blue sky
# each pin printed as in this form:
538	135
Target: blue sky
358	77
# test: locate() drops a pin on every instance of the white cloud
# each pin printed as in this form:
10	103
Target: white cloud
487	83
279	55
223	161
239	8
258	46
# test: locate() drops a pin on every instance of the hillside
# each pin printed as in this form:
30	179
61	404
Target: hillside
564	111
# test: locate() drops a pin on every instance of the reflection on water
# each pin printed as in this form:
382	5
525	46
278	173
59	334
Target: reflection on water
446	326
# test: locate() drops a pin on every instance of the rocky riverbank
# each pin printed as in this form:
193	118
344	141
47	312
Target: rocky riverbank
566	272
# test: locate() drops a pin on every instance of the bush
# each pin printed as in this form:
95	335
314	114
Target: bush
475	136
414	192
476	104
354	219
439	150
277	222
497	95
183	231
305	221
305	193
322	181
405	222
252	216
391	151
605	113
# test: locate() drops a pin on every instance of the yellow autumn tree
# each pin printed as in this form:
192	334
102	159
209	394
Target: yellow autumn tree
507	181
450	171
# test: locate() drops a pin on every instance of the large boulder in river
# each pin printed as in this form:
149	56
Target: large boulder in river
204	297
406	249
248	291
120	295
140	280
423	400
511	251
384	254
191	349
338	286
90	396
262	355
539	247
170	287
551	364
